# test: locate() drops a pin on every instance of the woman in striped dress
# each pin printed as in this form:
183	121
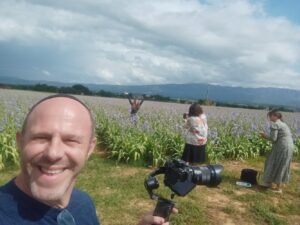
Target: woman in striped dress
277	165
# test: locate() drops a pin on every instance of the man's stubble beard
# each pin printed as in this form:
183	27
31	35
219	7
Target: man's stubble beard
54	195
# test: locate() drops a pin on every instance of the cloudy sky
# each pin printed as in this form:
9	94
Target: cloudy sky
250	43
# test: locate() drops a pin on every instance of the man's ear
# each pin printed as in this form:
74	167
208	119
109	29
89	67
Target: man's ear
92	146
19	139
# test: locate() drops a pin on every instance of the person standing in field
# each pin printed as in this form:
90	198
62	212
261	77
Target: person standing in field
196	135
277	165
135	106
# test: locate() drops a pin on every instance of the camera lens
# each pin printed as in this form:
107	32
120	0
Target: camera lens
209	175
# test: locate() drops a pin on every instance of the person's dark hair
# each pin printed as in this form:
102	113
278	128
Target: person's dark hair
185	115
195	109
275	112
59	96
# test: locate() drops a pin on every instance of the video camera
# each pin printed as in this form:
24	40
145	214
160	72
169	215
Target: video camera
181	179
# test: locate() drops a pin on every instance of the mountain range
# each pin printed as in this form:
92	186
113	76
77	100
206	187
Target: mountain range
231	95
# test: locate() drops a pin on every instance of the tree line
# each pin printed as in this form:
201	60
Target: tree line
79	89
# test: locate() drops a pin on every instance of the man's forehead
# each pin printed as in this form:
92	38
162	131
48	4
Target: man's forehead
55	103
65	110
59	103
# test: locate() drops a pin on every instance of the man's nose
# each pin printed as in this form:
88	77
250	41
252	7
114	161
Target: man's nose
54	150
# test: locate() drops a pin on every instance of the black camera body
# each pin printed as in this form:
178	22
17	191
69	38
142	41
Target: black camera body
181	179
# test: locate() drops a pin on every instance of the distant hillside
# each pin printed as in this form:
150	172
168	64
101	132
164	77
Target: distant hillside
236	95
15	80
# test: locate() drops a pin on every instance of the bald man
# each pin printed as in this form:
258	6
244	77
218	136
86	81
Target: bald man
55	142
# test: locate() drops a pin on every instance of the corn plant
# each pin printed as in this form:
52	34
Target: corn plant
158	133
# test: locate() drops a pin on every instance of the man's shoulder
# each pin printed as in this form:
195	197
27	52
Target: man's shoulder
80	194
8	207
4	186
80	197
5	190
83	208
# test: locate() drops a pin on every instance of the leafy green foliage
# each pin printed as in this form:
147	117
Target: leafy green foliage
8	151
135	145
158	136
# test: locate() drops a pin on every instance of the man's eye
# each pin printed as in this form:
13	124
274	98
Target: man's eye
40	138
72	141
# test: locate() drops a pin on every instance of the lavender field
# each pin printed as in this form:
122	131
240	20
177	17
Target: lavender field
233	133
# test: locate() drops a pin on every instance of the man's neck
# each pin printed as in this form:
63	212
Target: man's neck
61	203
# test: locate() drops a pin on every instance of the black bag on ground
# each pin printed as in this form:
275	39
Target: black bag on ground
249	175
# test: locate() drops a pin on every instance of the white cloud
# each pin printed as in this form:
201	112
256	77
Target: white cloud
46	73
231	42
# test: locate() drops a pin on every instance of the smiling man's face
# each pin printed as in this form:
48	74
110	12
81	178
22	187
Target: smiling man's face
54	147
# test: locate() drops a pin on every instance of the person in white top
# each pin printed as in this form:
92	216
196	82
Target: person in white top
196	135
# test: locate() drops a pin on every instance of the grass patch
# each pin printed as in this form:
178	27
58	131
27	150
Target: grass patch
190	212
288	208
263	213
230	209
120	197
252	197
117	190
